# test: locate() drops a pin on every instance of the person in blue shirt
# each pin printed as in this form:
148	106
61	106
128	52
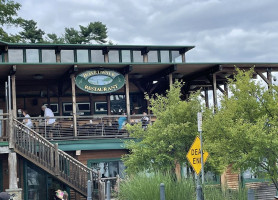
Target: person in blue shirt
122	121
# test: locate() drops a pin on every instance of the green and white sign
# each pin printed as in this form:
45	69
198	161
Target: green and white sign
100	81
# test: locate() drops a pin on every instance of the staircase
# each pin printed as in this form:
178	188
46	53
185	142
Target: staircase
47	156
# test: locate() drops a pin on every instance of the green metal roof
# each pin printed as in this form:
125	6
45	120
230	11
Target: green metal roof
96	46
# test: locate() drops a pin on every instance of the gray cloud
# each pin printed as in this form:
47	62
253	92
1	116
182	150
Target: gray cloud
221	30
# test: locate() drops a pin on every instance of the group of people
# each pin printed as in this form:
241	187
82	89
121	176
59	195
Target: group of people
145	120
48	114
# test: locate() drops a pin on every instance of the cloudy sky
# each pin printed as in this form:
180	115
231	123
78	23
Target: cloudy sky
220	30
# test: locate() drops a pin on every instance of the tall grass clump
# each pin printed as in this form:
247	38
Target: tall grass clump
146	186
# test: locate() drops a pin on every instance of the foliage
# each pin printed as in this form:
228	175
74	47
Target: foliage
30	32
95	31
146	186
243	131
167	140
8	10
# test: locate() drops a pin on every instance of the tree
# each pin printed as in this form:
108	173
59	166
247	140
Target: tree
30	32
8	13
95	31
243	131
166	141
8	10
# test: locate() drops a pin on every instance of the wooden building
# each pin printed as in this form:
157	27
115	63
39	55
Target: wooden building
88	88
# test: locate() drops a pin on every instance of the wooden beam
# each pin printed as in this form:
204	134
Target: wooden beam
163	73
14	96
127	97
171	79
13	70
214	90
263	77
221	90
206	97
12	165
74	105
198	74
226	88
269	76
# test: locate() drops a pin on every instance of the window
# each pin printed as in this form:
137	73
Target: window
176	57
109	167
81	108
82	56
113	56
67	56
15	55
118	104
164	56
32	55
126	56
97	56
137	56
48	56
152	56
100	107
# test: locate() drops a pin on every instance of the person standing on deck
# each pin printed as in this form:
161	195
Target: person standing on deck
27	121
48	114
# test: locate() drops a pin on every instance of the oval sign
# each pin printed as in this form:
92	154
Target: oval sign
100	81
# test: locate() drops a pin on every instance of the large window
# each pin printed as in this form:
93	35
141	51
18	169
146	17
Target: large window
48	56
82	56
32	55
164	56
153	56
176	57
113	56
97	56
126	57
67	56
100	107
15	55
137	56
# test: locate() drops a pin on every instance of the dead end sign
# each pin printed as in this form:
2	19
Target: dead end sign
194	155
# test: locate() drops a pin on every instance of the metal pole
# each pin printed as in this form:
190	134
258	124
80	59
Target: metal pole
162	191
199	116
108	191
89	190
199	190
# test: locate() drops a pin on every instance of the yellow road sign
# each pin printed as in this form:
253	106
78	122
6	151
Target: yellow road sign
194	155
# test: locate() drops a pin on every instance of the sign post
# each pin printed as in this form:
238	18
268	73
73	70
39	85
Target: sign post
200	120
197	158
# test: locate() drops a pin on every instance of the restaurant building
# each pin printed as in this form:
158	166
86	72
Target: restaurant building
88	88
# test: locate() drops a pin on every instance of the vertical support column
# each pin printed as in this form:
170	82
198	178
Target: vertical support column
171	79
127	97
269	76
73	105
91	104
108	104
183	57
214	90
206	97
14	96
106	59
58	55
145	58
226	88
12	162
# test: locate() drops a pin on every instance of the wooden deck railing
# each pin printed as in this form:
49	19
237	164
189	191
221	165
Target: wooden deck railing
46	155
87	127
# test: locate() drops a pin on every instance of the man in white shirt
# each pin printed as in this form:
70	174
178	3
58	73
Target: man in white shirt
48	114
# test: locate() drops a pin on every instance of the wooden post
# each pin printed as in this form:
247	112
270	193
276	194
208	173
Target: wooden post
269	76
106	59
11	131
206	97
226	88
12	162
145	57
91	104
183	57
14	96
73	105
108	104
214	91
171	79
58	56
127	97
56	168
